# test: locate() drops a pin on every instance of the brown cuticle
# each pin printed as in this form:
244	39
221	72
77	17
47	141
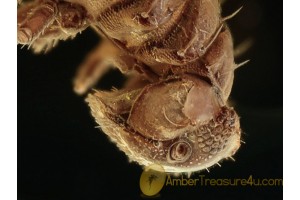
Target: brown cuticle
173	110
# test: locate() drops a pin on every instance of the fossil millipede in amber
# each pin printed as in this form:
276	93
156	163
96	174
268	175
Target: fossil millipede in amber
178	57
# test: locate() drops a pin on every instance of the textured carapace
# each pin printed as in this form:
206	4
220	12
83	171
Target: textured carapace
178	57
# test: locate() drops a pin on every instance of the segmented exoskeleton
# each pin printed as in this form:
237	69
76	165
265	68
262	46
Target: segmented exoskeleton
178	57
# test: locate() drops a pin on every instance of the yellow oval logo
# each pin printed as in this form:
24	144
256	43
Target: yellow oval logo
152	179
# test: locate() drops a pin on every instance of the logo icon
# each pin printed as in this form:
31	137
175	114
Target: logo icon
152	179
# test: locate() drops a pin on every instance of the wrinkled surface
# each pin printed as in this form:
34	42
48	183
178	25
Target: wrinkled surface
178	57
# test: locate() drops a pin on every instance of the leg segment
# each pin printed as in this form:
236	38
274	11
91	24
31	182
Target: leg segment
49	39
43	23
98	62
24	11
36	21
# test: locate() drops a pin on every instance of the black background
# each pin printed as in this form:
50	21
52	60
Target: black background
62	156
